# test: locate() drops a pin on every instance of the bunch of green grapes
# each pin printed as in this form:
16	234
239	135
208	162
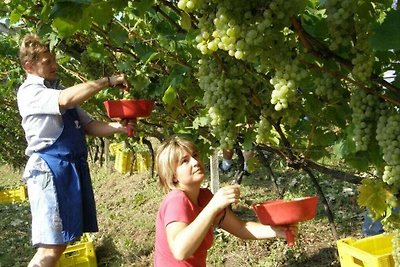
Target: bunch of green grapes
284	83
391	175
328	87
283	90
263	129
340	15
189	5
246	29
396	247
364	58
365	107
256	32
363	63
388	137
225	97
227	31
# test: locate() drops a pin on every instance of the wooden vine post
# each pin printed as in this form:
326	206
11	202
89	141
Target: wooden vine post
214	172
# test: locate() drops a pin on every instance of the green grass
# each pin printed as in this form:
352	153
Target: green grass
9	177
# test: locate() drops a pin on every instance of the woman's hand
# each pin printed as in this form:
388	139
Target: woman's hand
282	231
224	197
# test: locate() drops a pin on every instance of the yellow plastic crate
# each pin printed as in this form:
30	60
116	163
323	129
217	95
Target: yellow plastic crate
123	160
114	147
142	162
13	195
81	254
374	251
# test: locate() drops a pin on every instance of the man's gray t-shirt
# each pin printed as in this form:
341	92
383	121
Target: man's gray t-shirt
41	117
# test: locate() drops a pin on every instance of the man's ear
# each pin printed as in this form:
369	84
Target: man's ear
28	66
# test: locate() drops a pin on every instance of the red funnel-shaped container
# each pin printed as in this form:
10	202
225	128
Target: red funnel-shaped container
286	212
129	109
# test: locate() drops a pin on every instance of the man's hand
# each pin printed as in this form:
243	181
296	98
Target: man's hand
129	126
119	81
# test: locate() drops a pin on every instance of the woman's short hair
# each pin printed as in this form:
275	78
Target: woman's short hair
168	156
31	48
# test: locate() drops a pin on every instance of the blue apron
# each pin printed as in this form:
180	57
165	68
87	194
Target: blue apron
67	159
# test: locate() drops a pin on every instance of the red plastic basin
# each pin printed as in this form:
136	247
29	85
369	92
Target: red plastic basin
285	212
129	109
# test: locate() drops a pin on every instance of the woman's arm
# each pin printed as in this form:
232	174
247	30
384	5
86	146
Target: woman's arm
251	230
184	239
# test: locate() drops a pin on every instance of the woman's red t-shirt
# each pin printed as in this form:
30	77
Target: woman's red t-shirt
177	207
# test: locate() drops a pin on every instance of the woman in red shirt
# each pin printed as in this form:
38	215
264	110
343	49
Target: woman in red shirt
187	215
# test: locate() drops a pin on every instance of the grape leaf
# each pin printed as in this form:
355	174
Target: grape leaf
314	23
102	12
64	28
16	14
373	196
143	51
337	114
247	143
70	17
323	137
185	21
77	1
140	81
96	50
317	152
358	160
141	7
118	35
387	35
169	96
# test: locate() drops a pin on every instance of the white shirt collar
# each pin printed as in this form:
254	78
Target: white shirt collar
31	78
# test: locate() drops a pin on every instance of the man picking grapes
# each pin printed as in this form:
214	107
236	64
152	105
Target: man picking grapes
57	174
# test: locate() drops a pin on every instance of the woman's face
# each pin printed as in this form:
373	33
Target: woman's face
190	169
